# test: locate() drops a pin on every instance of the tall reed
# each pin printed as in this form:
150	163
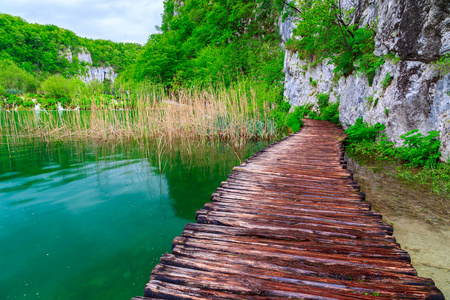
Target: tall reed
227	113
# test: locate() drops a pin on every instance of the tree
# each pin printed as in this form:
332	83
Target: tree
14	78
57	86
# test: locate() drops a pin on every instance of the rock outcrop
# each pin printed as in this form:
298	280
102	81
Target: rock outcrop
91	73
416	97
100	74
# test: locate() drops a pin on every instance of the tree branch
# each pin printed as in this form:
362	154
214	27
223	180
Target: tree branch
293	7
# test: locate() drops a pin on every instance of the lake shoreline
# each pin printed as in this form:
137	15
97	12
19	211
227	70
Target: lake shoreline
420	226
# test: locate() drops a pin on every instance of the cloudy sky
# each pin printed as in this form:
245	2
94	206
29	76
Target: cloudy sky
115	20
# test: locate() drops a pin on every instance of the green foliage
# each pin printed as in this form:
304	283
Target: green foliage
420	150
387	80
323	101
294	120
14	78
330	113
376	102
57	86
213	42
107	53
417	149
12	101
438	175
395	59
327	112
325	31
28	104
443	64
363	132
312	82
369	102
42	48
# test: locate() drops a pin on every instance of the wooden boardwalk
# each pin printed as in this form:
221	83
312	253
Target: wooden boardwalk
289	223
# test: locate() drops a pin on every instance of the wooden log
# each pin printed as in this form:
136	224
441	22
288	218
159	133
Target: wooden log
392	288
313	258
289	222
334	217
306	245
294	267
291	235
250	221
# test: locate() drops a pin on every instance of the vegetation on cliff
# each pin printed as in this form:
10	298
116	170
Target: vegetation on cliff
39	48
203	42
44	59
327	31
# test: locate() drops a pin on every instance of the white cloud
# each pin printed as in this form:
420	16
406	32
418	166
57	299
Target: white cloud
116	20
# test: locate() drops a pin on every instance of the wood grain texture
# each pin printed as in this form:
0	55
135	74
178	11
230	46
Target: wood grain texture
289	223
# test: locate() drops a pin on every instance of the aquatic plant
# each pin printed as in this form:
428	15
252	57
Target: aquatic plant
234	113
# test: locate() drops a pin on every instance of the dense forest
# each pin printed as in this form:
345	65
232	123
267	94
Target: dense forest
204	44
33	55
200	44
38	48
220	41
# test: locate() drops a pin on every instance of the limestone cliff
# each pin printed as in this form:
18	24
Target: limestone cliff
418	33
91	73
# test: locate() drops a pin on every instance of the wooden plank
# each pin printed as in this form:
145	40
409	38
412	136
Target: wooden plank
289	223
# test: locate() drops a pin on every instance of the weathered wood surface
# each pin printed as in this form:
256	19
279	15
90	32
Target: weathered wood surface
289	223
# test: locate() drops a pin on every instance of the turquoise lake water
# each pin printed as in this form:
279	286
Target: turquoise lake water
83	221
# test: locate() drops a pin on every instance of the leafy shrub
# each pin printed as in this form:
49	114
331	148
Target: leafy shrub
49	103
294	119
14	78
13	100
327	112
280	113
28	104
363	132
331	113
322	100
419	149
59	87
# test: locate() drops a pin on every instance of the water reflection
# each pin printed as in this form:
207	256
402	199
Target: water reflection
79	219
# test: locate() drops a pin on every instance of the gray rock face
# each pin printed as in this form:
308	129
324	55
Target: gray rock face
285	28
418	97
67	54
84	56
414	29
100	74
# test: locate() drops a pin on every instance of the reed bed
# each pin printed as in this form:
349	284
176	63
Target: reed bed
234	113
